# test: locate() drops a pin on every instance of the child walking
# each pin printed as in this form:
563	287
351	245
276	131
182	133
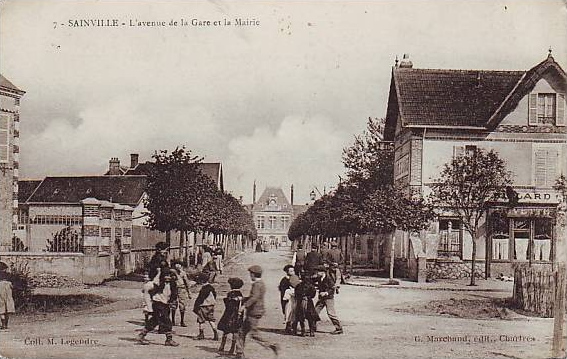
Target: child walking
163	294
184	295
204	306
6	298
232	317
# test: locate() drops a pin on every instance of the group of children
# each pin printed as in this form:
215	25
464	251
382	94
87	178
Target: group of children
298	293
167	288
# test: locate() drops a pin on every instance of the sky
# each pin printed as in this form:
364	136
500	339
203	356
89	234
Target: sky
275	102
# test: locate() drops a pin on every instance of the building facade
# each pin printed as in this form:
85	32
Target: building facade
272	214
10	97
434	115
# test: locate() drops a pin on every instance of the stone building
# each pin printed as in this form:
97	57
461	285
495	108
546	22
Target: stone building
434	115
272	214
10	97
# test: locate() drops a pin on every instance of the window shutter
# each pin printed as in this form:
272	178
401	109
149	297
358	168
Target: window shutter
539	167
4	136
551	166
560	119
532	109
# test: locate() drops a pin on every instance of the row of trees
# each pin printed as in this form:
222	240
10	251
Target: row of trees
368	201
182	198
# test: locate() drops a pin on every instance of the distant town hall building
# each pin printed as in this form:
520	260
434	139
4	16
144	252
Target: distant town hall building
10	97
273	214
434	115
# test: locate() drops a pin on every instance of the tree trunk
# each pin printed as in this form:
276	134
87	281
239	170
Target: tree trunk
392	254
473	261
351	243
168	238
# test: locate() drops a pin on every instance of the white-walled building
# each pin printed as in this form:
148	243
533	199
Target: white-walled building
435	114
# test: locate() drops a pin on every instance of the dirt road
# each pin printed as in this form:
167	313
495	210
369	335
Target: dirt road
373	328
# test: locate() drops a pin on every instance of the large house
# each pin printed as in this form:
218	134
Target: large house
435	114
10	97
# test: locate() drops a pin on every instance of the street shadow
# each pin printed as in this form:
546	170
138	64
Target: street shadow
186	336
131	340
208	349
136	322
279	331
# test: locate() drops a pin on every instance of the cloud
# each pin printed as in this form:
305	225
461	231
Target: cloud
115	129
305	152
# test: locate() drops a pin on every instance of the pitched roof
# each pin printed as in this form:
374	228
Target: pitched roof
457	98
118	189
276	194
5	83
212	170
26	188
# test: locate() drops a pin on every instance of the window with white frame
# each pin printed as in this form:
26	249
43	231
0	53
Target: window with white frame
546	108
4	137
545	165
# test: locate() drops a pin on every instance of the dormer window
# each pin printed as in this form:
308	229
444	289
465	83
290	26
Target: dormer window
547	109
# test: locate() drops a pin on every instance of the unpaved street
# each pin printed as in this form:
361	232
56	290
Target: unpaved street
373	328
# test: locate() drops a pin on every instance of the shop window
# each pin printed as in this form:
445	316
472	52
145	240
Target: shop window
542	239
500	237
450	237
521	232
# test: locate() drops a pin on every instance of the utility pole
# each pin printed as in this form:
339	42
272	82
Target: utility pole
558	346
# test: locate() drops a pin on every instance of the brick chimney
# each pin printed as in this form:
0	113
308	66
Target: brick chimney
114	166
134	160
291	195
406	62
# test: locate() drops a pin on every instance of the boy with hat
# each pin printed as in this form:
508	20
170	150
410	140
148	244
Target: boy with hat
312	260
163	293
254	305
326	300
204	306
232	318
299	259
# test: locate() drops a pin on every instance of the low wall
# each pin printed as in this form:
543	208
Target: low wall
452	269
85	269
67	264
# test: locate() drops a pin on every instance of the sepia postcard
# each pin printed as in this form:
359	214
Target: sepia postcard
283	179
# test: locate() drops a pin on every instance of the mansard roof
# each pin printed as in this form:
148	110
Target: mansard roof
117	189
471	99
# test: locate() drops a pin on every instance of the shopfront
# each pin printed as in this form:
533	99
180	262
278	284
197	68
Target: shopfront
524	234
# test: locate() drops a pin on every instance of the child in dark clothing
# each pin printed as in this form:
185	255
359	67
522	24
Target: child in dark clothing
305	309
232	318
204	306
164	294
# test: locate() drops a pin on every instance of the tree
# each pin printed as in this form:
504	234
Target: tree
467	186
387	209
178	193
369	160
